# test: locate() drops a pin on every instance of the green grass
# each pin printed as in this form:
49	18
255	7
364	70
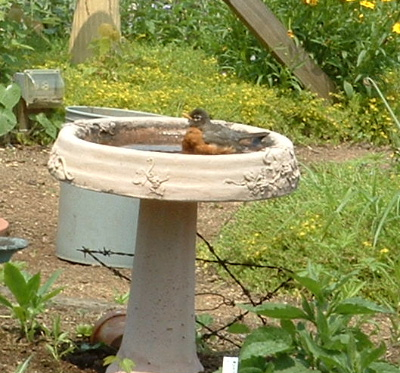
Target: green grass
343	216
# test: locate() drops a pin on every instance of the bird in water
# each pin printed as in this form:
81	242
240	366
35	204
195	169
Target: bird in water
206	137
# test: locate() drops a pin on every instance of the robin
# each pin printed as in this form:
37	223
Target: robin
206	137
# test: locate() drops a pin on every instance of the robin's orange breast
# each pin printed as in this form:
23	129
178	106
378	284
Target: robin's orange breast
193	143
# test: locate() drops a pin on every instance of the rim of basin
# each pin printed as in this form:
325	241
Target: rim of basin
12	243
91	154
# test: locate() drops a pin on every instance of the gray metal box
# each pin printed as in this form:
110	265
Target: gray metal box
41	88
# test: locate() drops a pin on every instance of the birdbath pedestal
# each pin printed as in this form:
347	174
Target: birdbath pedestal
140	157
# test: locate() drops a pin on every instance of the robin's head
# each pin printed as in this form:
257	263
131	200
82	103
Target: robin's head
198	117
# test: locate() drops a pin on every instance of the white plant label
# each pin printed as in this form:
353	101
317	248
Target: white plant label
230	364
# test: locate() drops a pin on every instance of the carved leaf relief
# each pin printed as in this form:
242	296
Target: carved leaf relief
279	174
58	168
147	177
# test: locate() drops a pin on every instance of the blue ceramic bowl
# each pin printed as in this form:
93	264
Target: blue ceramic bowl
10	245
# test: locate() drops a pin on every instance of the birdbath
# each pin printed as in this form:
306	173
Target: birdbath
140	157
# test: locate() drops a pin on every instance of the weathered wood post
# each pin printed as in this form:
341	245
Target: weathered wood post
263	23
92	18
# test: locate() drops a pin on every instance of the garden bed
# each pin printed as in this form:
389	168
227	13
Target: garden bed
29	201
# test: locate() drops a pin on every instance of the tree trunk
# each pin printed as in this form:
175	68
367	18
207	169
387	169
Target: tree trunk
90	17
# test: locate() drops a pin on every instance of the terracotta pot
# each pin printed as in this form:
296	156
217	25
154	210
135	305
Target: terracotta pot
3	227
109	329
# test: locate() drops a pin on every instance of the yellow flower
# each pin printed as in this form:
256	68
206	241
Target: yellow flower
396	28
367	4
290	34
384	251
311	2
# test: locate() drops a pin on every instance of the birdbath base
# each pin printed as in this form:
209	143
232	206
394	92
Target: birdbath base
98	155
160	328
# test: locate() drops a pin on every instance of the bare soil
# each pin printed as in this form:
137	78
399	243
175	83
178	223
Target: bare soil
29	202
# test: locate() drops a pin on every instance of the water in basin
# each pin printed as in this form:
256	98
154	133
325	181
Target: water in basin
166	148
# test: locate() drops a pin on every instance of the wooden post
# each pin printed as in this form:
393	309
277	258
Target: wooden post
272	33
89	18
22	115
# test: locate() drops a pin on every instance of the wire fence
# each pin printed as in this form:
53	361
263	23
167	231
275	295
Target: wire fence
221	332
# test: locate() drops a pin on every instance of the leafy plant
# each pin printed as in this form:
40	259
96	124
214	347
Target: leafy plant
124	364
31	297
108	41
55	16
20	265
121	299
25	26
387	271
84	330
18	29
58	342
9	97
202	322
44	129
324	334
23	366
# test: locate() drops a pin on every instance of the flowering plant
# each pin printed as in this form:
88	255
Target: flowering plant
349	39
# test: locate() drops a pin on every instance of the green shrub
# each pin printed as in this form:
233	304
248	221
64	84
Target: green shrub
25	28
323	335
348	39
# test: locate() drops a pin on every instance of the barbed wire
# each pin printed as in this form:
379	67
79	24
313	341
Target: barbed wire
225	264
92	253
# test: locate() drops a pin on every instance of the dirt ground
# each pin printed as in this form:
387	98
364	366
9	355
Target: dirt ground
29	202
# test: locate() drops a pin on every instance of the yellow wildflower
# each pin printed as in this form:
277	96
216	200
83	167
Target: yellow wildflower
311	2
367	4
290	34
384	251
396	28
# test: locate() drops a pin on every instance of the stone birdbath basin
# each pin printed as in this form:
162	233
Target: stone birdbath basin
140	157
